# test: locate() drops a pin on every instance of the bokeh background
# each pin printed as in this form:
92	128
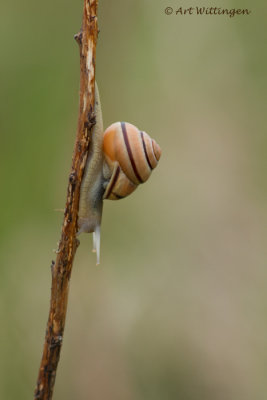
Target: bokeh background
177	308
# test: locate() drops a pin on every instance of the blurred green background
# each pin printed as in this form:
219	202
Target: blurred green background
177	308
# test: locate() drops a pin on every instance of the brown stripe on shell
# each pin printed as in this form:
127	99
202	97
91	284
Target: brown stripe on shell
145	150
118	196
117	173
129	151
156	149
150	151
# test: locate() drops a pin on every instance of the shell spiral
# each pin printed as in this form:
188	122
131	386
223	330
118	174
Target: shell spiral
130	156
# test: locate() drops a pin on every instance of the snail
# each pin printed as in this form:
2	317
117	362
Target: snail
120	158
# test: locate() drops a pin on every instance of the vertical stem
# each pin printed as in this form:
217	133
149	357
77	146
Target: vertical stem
62	267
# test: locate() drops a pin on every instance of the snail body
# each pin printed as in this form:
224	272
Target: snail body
91	192
119	160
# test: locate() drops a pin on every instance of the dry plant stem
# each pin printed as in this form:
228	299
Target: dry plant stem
62	267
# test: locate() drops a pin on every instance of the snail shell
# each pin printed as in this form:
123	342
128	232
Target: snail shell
130	155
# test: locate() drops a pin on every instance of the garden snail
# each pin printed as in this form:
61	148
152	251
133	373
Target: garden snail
119	160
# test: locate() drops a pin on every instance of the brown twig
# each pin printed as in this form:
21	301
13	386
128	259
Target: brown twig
62	267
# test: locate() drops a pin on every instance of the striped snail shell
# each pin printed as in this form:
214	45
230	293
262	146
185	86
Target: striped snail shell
130	155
